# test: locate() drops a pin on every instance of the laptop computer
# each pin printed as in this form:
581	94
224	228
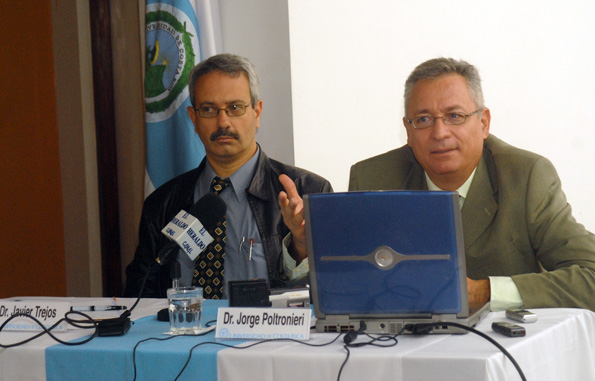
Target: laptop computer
387	259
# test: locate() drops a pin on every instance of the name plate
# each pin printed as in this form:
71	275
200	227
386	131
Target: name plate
48	314
263	323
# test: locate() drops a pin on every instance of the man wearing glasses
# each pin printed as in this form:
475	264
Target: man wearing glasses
523	246
263	196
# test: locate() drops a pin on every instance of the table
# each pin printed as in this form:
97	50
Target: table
560	345
28	362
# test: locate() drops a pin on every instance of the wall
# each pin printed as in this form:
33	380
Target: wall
31	226
127	53
350	60
78	150
259	30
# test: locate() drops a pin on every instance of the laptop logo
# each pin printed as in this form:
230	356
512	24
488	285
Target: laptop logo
385	258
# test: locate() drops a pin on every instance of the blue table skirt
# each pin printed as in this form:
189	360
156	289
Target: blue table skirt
111	358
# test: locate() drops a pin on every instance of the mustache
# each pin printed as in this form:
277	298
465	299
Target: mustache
223	132
442	149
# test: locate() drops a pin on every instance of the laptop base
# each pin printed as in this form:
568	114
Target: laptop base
396	325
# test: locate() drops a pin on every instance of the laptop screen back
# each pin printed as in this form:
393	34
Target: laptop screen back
386	253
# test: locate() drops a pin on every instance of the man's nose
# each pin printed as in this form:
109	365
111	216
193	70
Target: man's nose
223	119
440	130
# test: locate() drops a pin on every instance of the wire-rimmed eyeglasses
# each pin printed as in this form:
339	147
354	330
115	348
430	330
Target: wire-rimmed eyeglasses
452	119
234	109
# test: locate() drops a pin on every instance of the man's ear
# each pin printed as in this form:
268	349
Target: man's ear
407	127
192	116
258	112
485	122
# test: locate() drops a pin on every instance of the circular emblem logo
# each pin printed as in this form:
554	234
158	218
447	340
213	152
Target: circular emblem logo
170	55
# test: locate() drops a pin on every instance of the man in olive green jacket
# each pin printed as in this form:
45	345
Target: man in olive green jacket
523	246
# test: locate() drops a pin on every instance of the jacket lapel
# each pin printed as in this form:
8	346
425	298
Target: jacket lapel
260	185
415	179
480	206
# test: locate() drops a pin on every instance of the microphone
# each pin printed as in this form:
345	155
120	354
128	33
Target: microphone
190	230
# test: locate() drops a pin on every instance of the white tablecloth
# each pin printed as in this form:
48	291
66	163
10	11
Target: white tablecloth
559	346
27	362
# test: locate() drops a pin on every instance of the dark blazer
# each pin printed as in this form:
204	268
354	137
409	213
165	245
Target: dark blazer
516	222
177	194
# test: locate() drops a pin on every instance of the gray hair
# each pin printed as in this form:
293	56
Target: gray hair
229	64
438	67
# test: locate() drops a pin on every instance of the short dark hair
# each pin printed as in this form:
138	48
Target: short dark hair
439	67
230	64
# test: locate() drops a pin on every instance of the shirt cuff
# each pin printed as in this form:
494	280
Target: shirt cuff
289	265
504	294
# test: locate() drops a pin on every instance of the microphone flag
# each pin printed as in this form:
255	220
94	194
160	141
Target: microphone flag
189	233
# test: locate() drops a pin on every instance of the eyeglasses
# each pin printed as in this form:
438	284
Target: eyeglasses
235	109
451	119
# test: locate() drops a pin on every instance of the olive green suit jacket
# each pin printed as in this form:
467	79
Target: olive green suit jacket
516	222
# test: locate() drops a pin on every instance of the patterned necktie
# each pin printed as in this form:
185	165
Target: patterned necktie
209	272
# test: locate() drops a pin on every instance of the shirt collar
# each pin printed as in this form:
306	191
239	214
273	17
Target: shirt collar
240	179
463	189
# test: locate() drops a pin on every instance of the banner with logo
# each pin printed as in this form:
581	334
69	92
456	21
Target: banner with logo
179	34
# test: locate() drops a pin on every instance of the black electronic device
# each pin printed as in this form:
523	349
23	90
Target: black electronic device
249	293
508	329
163	314
113	327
